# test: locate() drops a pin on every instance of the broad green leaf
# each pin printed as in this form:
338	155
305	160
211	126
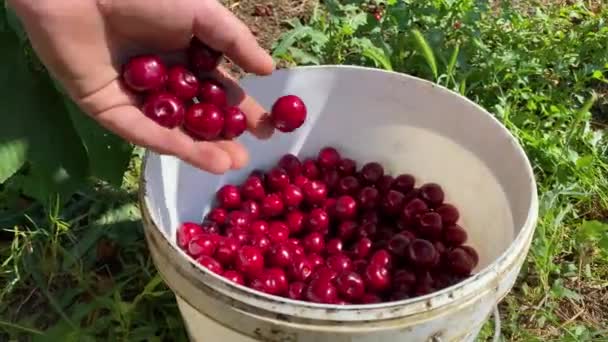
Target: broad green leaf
376	54
288	39
591	231
426	51
302	57
12	157
109	155
34	114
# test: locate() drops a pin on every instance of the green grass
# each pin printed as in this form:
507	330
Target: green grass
79	270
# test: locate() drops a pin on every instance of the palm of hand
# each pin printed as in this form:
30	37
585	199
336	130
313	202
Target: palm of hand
84	42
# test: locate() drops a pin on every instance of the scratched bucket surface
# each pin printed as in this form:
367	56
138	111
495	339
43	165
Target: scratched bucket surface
410	126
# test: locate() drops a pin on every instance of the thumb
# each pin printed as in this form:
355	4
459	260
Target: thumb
215	25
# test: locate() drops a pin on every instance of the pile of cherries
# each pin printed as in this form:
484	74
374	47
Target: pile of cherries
184	96
321	230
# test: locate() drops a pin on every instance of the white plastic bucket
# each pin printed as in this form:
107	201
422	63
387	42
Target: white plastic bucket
408	124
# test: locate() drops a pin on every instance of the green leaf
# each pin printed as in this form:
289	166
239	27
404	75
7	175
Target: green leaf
289	38
591	231
303	57
426	51
35	116
109	154
453	59
12	157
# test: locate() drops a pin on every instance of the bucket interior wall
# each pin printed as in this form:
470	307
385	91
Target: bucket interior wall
368	115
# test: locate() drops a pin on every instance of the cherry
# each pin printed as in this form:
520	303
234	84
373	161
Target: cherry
182	83
238	219
315	192
262	242
377	277
313	242
460	261
381	258
210	227
296	290
292	195
412	209
234	277
279	255
310	169
321	291
328	157
239	234
204	121
294	241
432	194
339	263
329	205
145	73
368	198
422	253
449	214
278	232
295	221
212	92
331	178
299	181
371	173
424	284
272	205
273	281
404	183
226	250
333	246
297	251
348	185
288	113
235	122
259	227
362	248
211	264
300	270
249	260
252	209
369	216
203	244
291	164
346	207
430	225
440	247
277	179
454	235
165	109
346	167
367	230
360	265
347	230
318	220
201	57
392	203
350	285
253	189
385	184
370	298
315	260
472	252
218	215
403	281
186	232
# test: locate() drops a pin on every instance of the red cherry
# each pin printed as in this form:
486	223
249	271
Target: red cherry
295	221
210	263
310	169
235	123
422	253
300	270
165	109
259	227
252	209
186	232
318	220
288	113
262	242
321	291
240	234
369	216
292	196
472	252
334	246
278	232
210	227
212	92
360	265
454	235
238	219
346	207
381	258
201	57
331	178
347	230
272	205
371	173
377	277
347	167
430	225
328	157
315	260
350	285
277	179
296	290
234	277
145	73
279	255
315	192
449	214
249	260
368	198
404	281
218	215
297	251
367	230
253	189
432	194
204	121
329	205
202	244
459	261
291	164
339	263
348	185
273	281
182	83
412	209
362	248
314	242
226	250
404	183
299	181
392	203
385	184
370	298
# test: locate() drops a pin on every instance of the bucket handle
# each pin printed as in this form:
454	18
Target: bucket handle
497	328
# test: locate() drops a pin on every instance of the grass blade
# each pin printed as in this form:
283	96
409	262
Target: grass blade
426	51
15	326
453	59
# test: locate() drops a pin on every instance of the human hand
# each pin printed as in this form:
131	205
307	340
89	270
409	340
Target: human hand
83	43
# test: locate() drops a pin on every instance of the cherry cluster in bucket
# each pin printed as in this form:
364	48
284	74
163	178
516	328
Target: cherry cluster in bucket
324	231
182	96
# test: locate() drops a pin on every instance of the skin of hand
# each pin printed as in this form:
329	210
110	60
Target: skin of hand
83	43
